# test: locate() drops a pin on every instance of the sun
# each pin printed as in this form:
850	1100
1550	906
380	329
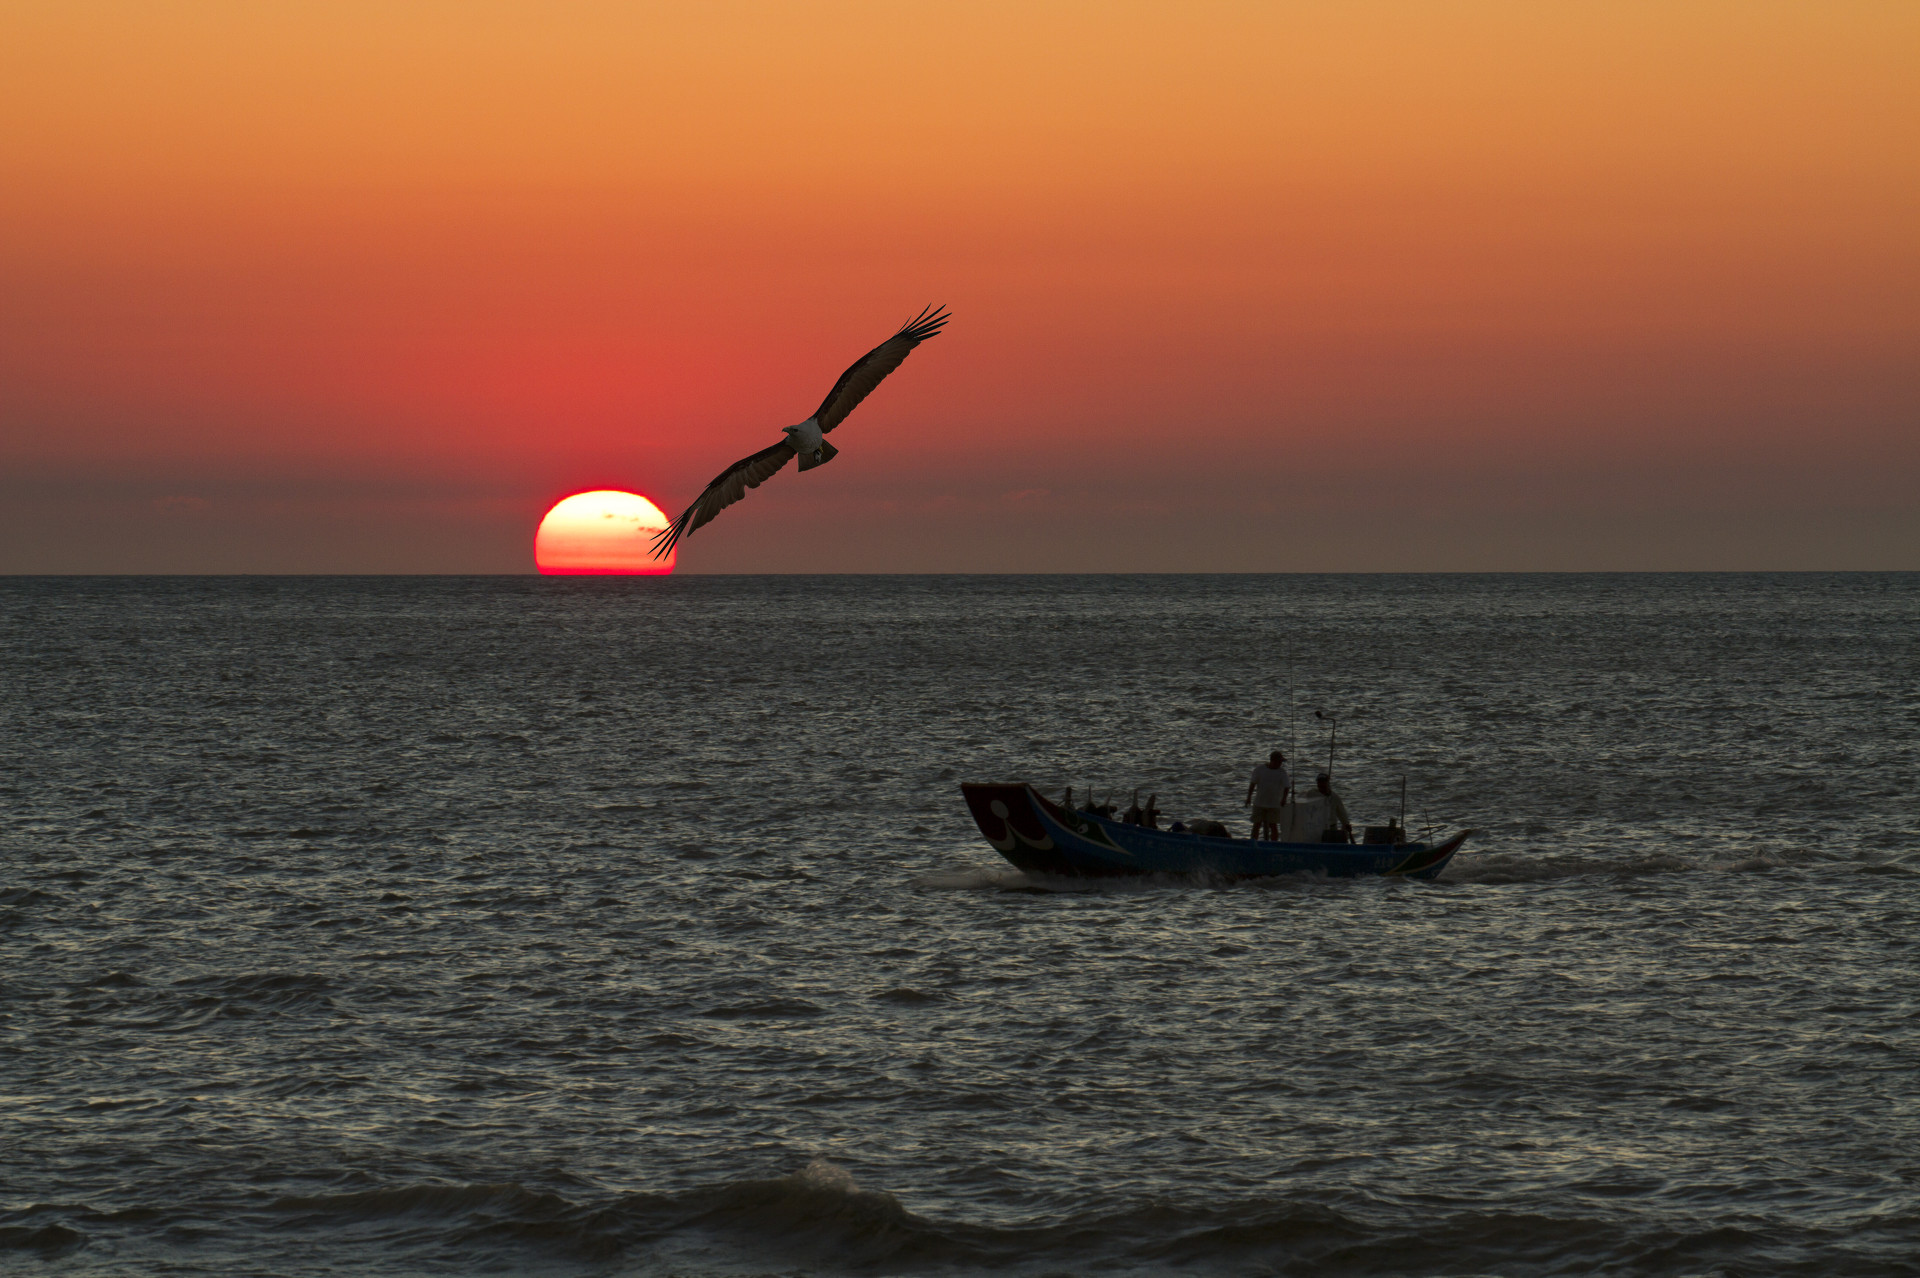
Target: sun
604	532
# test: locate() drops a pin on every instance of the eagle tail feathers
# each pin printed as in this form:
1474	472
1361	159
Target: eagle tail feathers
826	453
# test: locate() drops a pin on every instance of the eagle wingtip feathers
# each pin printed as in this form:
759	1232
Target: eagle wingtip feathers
926	324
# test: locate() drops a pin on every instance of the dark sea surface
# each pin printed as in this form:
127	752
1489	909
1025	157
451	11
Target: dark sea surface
598	926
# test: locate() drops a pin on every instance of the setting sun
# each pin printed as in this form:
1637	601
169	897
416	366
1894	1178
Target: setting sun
604	532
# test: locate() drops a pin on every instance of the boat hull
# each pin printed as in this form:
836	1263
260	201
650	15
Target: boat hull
1041	837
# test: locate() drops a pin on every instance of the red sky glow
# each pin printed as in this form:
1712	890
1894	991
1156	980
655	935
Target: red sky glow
354	287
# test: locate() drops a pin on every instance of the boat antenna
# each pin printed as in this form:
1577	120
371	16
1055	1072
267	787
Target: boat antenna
1332	736
1293	697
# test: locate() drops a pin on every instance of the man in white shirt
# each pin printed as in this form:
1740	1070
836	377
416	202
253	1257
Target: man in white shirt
1267	794
1337	817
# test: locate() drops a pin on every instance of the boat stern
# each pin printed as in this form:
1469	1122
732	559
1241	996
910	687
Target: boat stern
1425	862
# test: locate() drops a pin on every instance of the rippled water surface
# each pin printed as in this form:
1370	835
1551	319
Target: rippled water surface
437	926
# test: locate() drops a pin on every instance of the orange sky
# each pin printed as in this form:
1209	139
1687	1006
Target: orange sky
364	287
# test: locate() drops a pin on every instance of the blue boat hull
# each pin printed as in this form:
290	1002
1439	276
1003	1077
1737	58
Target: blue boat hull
1042	837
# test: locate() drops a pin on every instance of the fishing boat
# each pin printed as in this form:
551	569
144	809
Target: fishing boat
1042	837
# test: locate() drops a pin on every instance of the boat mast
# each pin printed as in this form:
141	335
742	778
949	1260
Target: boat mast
1293	697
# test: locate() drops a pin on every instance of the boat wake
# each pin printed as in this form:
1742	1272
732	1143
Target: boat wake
986	878
1008	879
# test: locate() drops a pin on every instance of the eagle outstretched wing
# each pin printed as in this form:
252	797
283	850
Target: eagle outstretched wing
870	369
867	372
729	486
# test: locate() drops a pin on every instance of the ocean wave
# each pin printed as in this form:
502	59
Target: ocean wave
907	996
47	1240
820	1217
427	1200
770	1009
267	989
815	1215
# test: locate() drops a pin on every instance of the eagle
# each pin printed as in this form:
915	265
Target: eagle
807	441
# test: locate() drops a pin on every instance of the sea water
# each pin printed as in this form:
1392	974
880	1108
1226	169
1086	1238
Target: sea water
597	926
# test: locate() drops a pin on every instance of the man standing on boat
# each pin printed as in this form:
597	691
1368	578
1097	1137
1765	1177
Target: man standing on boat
1337	817
1267	794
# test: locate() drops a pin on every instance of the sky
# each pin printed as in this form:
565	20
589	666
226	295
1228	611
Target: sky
1484	285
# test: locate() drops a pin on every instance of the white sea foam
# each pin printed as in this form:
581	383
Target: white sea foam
980	878
822	1174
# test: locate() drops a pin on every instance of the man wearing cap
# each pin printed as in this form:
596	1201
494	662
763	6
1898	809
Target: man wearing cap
1267	794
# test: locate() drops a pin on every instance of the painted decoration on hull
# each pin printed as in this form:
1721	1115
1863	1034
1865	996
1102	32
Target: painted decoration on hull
1007	827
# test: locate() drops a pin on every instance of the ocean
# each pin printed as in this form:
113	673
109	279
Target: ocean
595	926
